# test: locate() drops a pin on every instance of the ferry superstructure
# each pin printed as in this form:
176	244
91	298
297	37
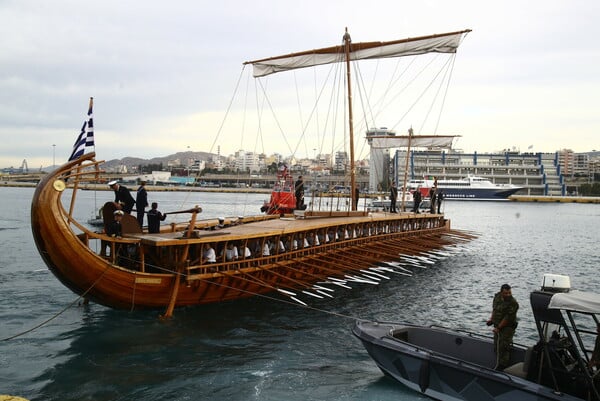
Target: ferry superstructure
470	187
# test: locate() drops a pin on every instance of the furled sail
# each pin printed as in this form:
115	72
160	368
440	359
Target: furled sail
441	43
415	141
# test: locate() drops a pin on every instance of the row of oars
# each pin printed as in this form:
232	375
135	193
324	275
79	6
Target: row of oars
370	264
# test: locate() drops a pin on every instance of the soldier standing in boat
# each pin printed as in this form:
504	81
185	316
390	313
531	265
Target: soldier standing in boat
122	196
504	320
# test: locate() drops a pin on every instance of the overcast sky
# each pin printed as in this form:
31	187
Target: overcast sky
162	73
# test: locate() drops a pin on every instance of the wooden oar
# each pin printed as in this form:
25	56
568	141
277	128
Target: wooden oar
305	285
318	288
334	280
357	270
261	283
195	209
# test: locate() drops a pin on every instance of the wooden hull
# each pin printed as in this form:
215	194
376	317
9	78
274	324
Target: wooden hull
164	271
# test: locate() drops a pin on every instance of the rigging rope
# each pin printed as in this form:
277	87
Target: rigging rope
60	312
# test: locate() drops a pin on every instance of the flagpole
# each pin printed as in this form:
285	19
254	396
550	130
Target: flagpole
91	120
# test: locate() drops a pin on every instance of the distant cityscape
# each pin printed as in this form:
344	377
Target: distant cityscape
539	173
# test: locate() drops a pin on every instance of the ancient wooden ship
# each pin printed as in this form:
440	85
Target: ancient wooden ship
305	254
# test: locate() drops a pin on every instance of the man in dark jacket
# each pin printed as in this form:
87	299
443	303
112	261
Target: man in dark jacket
299	193
141	202
122	196
393	197
416	200
154	219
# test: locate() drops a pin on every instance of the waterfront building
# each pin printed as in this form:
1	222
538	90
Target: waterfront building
341	161
537	173
379	162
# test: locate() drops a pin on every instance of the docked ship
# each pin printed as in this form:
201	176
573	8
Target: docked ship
305	254
471	187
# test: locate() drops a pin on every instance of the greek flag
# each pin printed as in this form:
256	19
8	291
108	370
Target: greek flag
86	137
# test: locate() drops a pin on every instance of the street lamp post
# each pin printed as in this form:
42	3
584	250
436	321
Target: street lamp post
53	155
187	163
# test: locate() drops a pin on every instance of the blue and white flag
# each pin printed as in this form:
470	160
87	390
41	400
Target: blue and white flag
86	137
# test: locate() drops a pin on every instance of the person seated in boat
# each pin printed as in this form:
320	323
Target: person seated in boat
209	255
266	249
154	219
115	228
122	196
247	253
504	320
281	247
231	253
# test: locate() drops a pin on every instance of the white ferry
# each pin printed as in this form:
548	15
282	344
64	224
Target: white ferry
470	187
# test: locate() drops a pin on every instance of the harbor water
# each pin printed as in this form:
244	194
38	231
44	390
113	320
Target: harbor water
267	348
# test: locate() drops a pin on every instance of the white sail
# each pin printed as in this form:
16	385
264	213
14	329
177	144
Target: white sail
416	141
442	43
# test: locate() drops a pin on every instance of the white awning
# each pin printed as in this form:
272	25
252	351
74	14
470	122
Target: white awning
577	301
416	141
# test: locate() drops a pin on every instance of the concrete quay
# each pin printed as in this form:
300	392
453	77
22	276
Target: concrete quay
557	199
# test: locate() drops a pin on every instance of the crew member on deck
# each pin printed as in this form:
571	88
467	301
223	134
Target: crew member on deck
432	199
299	193
122	196
141	202
393	197
154	219
416	199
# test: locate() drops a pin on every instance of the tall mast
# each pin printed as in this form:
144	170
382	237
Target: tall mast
410	135
347	42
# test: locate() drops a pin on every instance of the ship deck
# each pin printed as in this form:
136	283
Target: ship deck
211	231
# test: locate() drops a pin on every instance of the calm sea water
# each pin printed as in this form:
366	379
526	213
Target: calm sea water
262	349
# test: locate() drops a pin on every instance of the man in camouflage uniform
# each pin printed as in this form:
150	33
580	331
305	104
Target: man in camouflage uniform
504	319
